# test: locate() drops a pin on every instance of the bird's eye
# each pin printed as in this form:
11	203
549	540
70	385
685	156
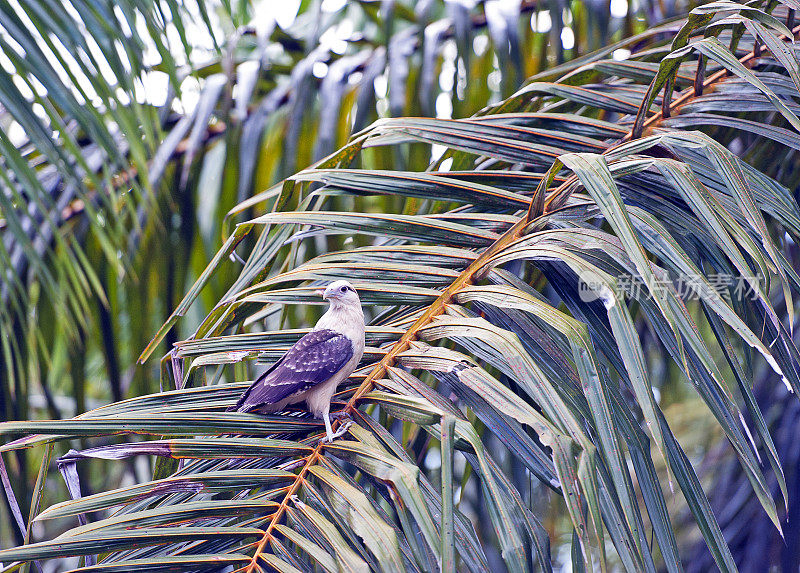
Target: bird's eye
344	289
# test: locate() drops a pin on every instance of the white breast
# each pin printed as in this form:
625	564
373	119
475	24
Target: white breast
350	322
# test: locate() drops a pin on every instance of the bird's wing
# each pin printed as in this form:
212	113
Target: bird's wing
312	360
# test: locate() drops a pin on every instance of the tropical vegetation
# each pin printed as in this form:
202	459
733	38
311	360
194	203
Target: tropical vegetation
580	286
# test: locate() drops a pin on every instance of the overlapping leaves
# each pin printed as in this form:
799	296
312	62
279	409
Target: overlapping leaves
510	297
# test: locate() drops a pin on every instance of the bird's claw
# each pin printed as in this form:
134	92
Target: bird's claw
338	433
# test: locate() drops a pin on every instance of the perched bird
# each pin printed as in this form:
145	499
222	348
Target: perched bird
317	363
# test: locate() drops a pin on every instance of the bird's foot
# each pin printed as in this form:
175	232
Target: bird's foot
338	433
341	415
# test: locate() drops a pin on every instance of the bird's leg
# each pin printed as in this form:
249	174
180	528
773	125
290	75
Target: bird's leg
330	435
328	431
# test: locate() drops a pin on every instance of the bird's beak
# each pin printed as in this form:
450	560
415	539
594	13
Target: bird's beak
321	292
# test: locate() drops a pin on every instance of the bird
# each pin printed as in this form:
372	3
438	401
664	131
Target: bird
316	364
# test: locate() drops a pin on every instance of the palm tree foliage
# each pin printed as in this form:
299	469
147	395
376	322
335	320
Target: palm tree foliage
129	130
194	105
573	246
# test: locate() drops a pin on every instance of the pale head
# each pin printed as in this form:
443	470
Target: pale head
341	293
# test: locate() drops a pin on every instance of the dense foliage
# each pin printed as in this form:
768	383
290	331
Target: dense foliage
555	284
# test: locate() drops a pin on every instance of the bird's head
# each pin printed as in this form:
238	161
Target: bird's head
341	293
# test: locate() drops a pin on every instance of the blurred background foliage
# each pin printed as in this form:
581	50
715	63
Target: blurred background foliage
135	135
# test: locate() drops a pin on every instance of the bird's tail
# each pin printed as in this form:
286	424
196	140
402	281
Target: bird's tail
240	405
